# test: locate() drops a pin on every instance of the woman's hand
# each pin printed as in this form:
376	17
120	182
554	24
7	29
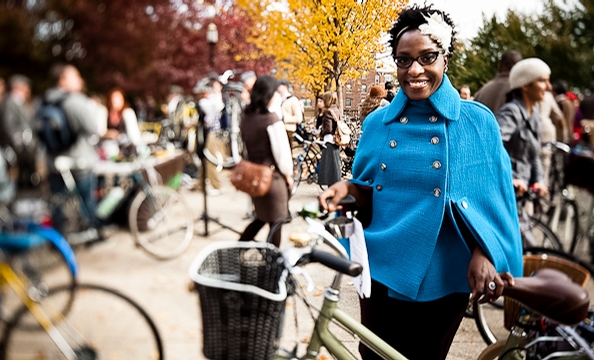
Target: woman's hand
520	186
484	279
336	192
540	189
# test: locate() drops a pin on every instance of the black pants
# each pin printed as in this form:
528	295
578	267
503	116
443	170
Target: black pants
418	330
255	226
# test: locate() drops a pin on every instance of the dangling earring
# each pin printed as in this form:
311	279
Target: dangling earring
446	69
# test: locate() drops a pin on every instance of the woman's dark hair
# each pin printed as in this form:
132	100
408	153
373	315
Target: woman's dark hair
411	18
513	94
261	94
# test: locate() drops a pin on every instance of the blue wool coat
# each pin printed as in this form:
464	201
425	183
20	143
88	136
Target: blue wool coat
432	165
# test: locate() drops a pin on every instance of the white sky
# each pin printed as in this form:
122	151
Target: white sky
467	14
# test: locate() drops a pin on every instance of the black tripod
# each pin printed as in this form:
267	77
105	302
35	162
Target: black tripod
201	136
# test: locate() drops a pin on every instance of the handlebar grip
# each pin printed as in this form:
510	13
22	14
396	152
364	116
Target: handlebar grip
336	263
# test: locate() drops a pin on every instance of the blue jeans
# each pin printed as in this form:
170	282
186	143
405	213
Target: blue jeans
86	183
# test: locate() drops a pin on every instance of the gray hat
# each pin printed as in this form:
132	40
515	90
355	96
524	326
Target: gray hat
527	71
247	75
284	82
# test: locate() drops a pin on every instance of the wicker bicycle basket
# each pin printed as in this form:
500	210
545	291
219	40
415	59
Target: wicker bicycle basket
242	294
532	263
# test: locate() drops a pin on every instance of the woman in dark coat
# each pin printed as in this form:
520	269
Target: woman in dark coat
265	140
330	163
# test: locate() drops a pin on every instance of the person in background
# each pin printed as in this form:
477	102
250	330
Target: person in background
552	122
2	88
264	136
465	92
16	132
291	107
210	109
492	94
248	79
330	162
434	232
520	123
568	108
121	124
81	115
390	91
374	100
319	112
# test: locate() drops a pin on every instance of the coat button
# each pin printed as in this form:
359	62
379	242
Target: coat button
435	140
403	120
378	187
436	192
393	143
464	204
433	119
383	166
436	165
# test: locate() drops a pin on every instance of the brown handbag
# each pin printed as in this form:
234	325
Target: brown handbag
251	178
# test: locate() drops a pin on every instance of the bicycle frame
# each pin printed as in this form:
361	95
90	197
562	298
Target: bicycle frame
321	335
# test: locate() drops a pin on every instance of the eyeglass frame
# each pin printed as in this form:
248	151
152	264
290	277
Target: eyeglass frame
437	53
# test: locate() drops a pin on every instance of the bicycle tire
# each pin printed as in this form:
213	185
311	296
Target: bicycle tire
41	269
161	222
564	222
543	235
103	323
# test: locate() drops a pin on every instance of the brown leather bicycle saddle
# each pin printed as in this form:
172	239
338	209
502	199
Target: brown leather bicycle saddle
552	294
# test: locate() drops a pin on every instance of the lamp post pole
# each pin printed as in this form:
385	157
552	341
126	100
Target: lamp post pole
212	37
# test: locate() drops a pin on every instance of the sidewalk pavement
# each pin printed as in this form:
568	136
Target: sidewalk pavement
162	287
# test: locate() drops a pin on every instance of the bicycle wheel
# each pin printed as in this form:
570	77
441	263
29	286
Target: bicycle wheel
490	321
161	222
542	236
41	269
102	324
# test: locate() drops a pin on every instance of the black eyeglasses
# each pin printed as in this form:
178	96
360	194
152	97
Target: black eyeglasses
404	62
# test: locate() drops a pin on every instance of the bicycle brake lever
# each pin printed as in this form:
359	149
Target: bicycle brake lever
297	270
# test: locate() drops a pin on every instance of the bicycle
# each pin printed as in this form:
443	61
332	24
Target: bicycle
249	283
68	321
160	220
305	165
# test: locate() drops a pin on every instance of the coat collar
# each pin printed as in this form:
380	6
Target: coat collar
446	101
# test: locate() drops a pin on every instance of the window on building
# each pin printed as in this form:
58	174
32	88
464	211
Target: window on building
363	88
349	88
364	76
377	79
303	88
306	103
362	100
349	102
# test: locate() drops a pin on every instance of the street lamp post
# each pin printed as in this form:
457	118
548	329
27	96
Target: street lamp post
212	37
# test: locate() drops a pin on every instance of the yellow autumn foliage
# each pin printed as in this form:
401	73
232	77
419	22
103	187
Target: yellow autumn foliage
316	42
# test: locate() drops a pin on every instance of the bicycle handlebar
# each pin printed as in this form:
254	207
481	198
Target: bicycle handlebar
336	263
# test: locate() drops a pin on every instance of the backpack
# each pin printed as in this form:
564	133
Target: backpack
342	135
54	129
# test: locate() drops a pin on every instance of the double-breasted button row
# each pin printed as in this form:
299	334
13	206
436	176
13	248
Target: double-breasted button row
383	166
393	143
436	192
436	165
404	119
435	140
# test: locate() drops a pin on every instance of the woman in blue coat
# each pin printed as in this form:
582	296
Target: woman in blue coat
433	173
